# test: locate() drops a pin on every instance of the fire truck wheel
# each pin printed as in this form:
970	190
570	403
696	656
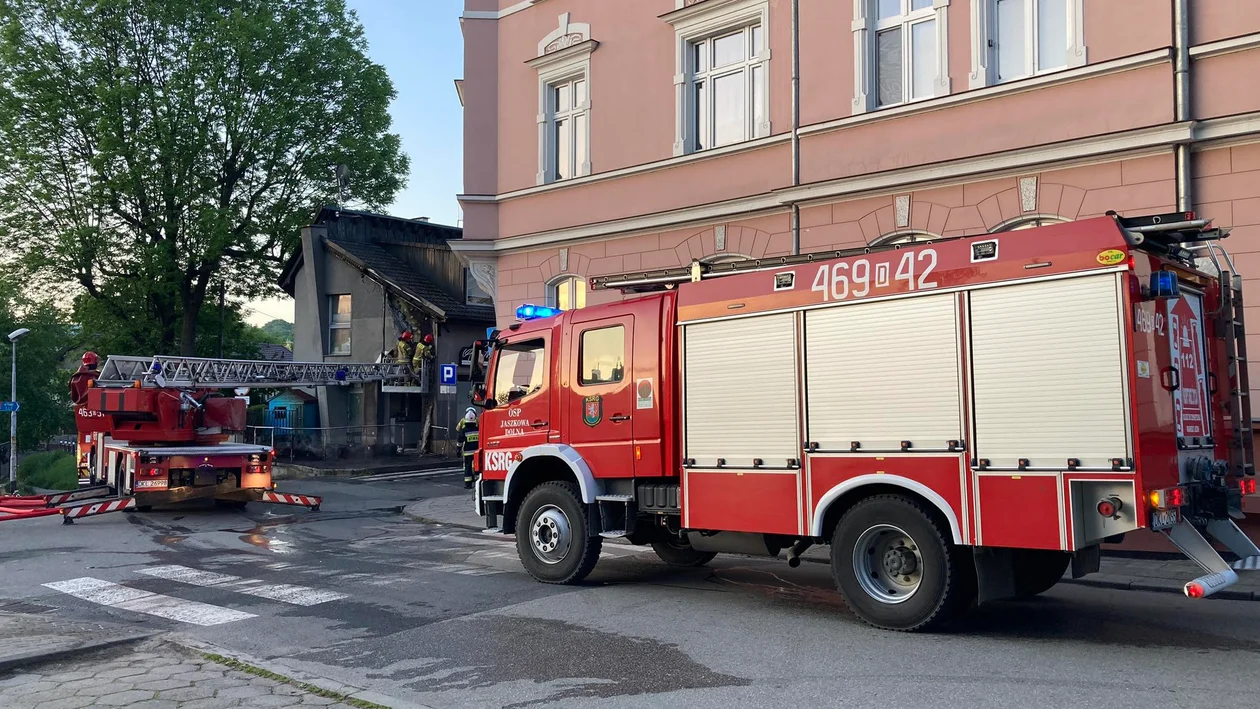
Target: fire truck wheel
895	566
231	504
553	535
677	552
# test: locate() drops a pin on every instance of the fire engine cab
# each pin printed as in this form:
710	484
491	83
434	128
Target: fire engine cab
960	420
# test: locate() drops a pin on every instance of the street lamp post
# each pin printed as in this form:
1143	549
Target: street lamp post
13	340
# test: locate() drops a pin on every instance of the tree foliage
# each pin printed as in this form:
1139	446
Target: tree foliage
278	331
46	358
153	149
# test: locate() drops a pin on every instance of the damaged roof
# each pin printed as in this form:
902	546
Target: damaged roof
382	267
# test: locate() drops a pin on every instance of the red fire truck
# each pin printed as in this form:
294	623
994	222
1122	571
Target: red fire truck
158	428
960	420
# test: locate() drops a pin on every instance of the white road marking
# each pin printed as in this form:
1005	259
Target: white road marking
282	592
409	474
107	593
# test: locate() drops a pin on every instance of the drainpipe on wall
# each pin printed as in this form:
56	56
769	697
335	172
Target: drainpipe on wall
795	121
1181	100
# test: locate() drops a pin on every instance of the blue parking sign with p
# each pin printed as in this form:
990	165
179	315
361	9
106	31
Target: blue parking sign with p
447	374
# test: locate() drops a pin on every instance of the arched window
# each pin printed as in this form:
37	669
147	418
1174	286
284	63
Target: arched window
914	237
567	293
1027	223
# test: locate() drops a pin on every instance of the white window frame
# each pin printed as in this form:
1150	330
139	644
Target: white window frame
555	284
705	21
334	326
578	144
984	49
564	56
865	62
469	283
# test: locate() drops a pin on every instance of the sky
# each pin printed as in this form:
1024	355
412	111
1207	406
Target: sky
420	45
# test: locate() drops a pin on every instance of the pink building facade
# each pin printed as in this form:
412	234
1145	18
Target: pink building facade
605	137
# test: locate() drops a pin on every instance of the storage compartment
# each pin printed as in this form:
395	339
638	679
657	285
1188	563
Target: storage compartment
882	373
1049	374
739	392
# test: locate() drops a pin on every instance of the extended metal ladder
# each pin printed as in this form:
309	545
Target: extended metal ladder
197	373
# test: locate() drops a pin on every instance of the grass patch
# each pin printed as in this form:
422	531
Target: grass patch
309	688
55	470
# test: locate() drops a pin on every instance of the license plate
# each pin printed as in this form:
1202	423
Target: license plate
1163	519
150	484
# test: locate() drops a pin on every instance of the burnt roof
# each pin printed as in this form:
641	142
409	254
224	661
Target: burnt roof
378	264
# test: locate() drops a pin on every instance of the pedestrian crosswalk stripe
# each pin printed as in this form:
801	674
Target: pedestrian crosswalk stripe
282	592
108	593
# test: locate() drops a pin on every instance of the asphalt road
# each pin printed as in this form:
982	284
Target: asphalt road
446	617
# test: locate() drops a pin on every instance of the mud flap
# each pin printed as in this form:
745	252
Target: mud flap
995	574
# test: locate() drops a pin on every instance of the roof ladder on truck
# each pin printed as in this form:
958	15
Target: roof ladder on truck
1241	452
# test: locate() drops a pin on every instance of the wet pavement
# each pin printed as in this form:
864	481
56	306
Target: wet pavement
444	616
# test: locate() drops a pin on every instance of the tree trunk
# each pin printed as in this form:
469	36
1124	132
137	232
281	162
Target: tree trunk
188	331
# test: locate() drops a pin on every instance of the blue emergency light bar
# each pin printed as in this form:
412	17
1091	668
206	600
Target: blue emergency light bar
536	312
1164	285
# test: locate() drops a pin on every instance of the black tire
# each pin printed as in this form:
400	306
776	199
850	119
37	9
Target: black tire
898	531
231	504
144	508
1038	570
680	553
569	563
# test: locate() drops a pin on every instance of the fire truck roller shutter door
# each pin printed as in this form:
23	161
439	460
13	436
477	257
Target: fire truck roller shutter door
1049	376
567	456
740	401
884	372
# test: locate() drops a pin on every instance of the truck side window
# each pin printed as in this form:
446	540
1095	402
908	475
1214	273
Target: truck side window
519	371
603	355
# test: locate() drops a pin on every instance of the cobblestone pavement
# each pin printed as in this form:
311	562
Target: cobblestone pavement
154	675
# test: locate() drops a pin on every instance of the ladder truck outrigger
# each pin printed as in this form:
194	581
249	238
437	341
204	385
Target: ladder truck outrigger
960	420
156	431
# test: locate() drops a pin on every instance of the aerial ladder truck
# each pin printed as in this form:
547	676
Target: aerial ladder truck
157	431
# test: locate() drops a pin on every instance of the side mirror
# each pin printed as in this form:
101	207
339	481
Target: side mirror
479	397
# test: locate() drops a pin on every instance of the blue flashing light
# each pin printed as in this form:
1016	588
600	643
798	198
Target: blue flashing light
1164	285
536	312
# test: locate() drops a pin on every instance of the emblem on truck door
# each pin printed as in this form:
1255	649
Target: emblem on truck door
593	410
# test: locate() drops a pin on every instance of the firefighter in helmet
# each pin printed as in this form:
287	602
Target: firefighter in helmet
468	439
424	351
80	380
405	348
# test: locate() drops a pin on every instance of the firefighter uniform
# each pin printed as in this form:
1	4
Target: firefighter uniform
468	440
405	349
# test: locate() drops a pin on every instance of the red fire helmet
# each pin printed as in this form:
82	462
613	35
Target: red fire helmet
428	339
406	336
90	359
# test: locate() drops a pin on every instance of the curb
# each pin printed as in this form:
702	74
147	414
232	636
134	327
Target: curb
41	657
295	675
291	471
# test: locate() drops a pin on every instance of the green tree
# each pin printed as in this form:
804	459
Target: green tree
46	358
279	331
153	149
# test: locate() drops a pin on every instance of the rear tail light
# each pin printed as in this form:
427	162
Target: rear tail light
1167	499
1248	486
151	472
1110	507
1194	589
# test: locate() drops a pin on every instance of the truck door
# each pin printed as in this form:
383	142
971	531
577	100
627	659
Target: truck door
599	406
521	416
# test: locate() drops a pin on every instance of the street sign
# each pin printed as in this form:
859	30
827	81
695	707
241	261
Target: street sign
9	406
447	375
446	389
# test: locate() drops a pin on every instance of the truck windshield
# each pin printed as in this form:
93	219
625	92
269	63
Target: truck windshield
518	372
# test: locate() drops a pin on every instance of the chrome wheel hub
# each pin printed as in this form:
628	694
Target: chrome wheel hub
887	564
550	534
